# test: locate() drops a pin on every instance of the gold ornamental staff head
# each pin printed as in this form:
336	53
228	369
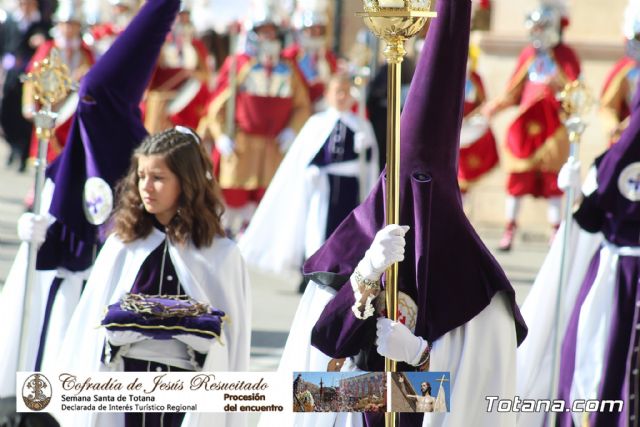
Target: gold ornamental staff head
51	79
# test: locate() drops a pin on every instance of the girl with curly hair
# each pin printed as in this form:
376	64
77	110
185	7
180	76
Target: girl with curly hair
176	288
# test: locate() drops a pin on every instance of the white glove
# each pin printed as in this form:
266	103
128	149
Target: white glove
120	338
286	138
361	142
569	176
199	344
395	341
32	228
312	175
387	248
225	145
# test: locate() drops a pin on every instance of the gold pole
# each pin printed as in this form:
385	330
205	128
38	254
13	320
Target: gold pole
394	53
394	21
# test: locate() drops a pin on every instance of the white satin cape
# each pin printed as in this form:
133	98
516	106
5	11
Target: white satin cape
216	275
291	219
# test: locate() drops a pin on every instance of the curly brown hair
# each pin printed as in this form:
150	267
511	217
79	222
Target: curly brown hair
200	201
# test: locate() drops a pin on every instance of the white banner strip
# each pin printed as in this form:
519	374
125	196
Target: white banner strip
154	392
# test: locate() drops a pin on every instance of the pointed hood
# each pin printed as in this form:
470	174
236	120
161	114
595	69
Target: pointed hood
447	269
105	130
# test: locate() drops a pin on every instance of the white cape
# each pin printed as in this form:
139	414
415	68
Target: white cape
216	275
300	356
290	221
12	298
535	354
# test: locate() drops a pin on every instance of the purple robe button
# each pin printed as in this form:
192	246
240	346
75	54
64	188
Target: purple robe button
159	368
635	372
169	277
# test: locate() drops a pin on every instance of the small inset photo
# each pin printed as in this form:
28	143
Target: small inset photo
339	392
420	391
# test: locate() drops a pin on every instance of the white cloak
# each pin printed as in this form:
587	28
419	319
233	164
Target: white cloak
216	275
535	354
12	299
290	222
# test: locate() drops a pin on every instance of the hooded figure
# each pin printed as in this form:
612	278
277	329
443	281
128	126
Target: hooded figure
78	194
452	291
600	325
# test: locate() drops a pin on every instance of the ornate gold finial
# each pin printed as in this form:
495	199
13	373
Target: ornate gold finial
396	21
576	100
51	79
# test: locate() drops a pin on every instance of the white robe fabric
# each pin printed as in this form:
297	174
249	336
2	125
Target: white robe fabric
290	221
535	355
481	357
216	275
594	325
12	298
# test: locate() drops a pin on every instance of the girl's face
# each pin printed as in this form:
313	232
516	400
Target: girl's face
159	187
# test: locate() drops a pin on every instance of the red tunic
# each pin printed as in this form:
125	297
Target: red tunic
481	156
268	100
180	93
537	144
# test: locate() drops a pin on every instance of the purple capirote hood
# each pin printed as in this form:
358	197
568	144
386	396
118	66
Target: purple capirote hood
447	269
107	127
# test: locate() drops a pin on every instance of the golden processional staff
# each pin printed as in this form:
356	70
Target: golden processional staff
576	101
394	21
51	83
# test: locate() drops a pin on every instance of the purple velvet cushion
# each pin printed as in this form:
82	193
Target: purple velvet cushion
164	318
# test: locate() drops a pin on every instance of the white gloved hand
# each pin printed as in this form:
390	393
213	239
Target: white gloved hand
286	138
569	176
387	248
32	228
120	338
225	145
361	142
199	344
312	175
395	341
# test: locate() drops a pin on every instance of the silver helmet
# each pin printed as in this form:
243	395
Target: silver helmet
544	24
